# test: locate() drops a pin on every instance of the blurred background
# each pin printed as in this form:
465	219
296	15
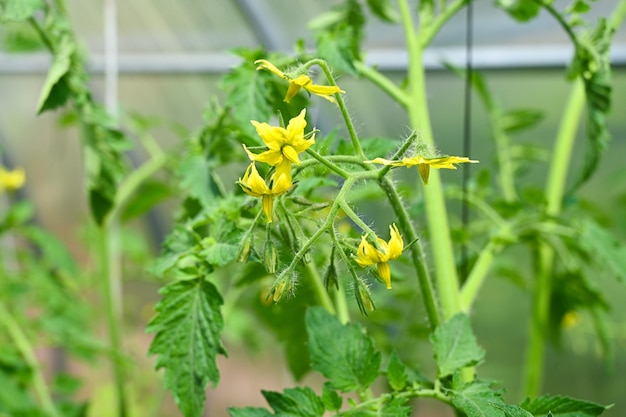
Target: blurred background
170	57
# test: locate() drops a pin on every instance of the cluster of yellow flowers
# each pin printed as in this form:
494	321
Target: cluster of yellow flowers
284	146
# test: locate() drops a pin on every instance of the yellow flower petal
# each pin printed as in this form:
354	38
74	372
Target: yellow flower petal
291	92
268	206
265	64
325	91
396	244
272	136
384	271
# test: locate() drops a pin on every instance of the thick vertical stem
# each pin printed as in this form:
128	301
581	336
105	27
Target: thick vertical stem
445	266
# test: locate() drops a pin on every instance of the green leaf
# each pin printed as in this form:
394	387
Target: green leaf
18	10
396	372
219	254
332	401
383	10
391	407
249	412
455	345
18	214
248	91
336	48
605	249
562	406
55	91
479	400
195	178
301	402
342	353
520	119
512	410
520	10
188	326
54	253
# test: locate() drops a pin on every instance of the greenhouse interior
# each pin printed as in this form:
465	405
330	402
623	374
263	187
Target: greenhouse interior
257	208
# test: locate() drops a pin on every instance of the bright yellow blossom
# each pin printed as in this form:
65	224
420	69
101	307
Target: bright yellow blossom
283	144
368	254
11	180
253	184
424	164
301	81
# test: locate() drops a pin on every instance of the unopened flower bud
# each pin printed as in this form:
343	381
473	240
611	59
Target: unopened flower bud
270	256
245	247
363	297
283	284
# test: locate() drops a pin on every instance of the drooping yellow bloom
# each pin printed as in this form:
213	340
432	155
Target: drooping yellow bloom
11	180
253	184
283	144
301	81
368	254
424	164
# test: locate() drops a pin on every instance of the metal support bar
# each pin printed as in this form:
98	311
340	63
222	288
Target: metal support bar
387	60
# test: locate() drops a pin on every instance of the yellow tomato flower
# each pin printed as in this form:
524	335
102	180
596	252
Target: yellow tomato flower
301	81
254	185
283	144
424	164
368	254
11	180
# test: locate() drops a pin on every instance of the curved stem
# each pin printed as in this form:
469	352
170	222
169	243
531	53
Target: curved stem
478	274
25	348
342	106
327	163
417	251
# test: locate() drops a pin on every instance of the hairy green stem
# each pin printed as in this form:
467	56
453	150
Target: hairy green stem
417	251
25	349
356	144
401	151
327	163
445	266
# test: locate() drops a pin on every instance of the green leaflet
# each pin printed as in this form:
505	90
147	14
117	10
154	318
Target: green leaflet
342	353
55	91
335	47
604	248
249	412
383	10
18	10
520	10
479	400
396	372
562	406
188	326
512	410
394	407
300	402
455	346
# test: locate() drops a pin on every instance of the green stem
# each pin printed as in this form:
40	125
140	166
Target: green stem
327	163
112	312
341	302
478	274
401	151
436	213
318	288
429	33
417	251
356	144
25	348
383	82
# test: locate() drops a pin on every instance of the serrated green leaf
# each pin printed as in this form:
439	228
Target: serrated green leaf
249	412
512	410
18	10
188	326
393	407
301	402
479	400
562	406
195	178
383	10
605	249
344	354
455	345
336	48
520	119
332	401
219	254
55	91
249	94
396	372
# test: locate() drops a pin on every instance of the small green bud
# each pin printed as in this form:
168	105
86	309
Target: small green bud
245	247
283	284
363	297
330	276
270	256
